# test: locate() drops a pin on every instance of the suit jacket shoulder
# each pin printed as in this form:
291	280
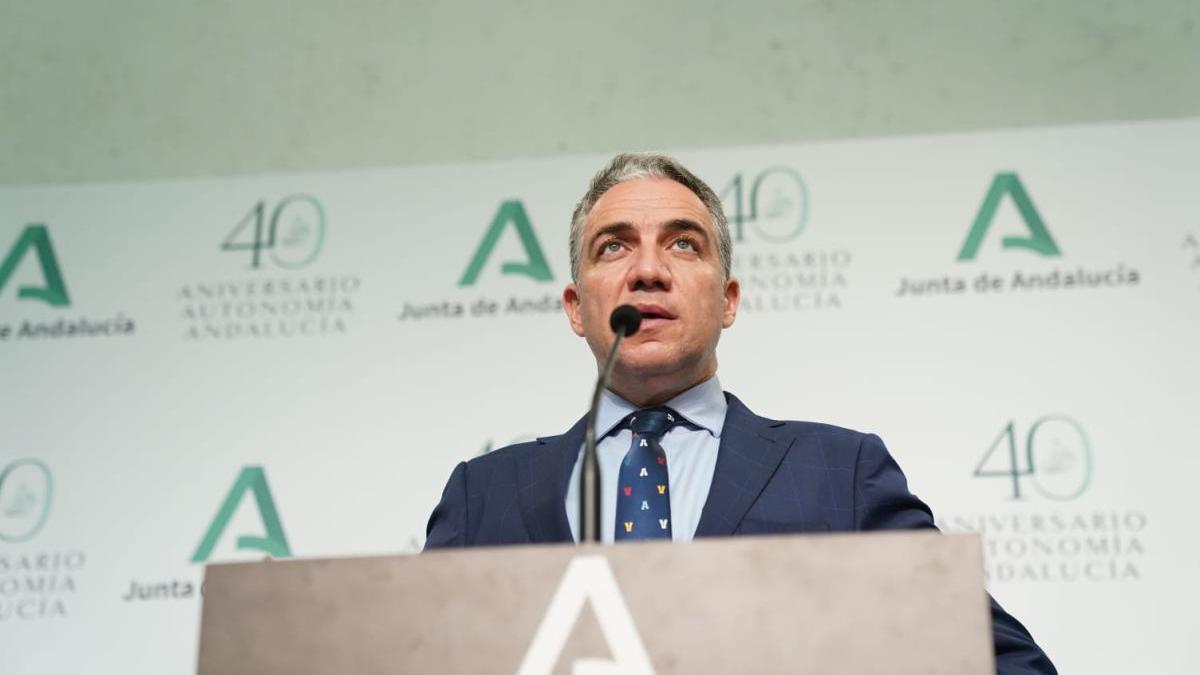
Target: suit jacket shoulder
780	476
512	495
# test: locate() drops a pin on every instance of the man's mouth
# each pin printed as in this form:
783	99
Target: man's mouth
654	315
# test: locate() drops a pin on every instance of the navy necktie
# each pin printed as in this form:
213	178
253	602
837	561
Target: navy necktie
643	497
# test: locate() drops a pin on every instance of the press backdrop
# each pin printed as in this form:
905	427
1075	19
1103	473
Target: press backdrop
221	369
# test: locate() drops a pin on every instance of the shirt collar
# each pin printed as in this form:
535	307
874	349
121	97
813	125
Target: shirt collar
703	405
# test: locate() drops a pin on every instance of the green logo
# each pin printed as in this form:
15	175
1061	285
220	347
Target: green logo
36	237
1039	239
251	479
1057	458
292	236
535	266
776	205
26	490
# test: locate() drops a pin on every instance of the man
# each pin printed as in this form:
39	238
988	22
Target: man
678	457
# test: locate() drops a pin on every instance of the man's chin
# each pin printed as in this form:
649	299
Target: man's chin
648	361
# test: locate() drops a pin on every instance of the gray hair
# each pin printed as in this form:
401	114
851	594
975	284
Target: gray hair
632	166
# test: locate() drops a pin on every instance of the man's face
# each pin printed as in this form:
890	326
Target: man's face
650	243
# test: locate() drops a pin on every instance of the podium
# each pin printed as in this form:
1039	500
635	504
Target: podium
896	602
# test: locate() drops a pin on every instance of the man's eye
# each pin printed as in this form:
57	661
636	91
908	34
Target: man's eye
685	244
611	247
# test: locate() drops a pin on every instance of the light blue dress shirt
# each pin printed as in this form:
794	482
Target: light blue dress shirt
691	457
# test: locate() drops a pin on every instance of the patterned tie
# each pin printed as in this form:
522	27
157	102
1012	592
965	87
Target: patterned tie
643	500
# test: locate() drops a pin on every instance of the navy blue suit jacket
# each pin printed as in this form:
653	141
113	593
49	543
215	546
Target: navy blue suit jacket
771	477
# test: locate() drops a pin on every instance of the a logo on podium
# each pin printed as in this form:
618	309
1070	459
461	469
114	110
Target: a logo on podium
588	578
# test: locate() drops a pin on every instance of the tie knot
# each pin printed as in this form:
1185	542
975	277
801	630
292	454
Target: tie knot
653	421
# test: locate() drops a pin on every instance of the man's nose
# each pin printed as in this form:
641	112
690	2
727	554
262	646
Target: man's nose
649	269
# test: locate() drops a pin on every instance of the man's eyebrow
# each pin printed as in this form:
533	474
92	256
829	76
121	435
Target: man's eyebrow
685	225
610	230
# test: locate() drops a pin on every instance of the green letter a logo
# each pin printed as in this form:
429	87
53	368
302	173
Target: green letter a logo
275	543
38	237
1039	239
535	267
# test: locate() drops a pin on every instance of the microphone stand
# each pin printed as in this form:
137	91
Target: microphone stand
589	477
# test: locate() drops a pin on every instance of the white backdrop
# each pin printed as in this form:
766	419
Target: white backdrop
1042	388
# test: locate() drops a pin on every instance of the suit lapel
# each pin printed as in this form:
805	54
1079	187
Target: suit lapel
542	477
748	455
750	451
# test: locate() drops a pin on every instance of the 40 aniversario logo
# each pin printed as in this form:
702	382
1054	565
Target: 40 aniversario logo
1037	473
274	295
292	236
1054	457
35	583
768	211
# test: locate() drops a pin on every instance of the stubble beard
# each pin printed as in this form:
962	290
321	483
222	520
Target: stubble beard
655	382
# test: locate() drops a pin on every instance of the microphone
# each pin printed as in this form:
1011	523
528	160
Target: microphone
625	321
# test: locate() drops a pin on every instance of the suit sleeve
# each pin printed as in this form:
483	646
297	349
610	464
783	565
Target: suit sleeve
448	523
882	501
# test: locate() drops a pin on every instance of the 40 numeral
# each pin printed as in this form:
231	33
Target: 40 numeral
777	204
302	221
1057	458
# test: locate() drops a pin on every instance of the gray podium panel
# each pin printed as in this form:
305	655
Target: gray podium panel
910	602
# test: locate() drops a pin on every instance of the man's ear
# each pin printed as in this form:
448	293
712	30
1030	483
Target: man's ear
733	297
570	302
